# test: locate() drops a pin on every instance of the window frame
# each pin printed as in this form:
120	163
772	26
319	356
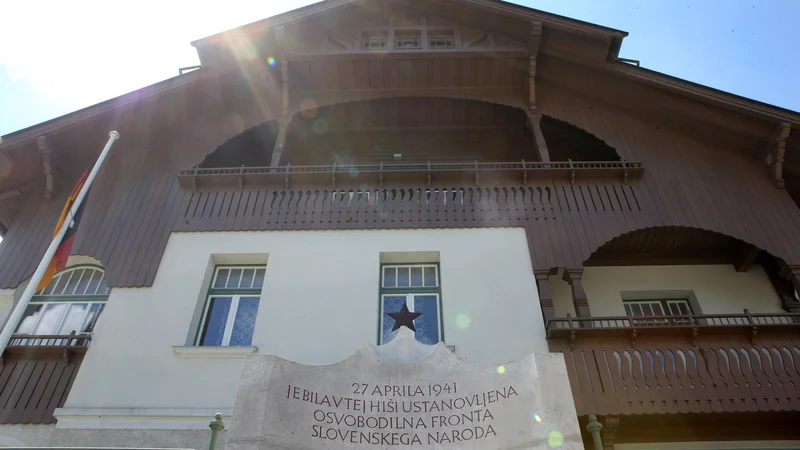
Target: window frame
45	300
400	35
410	292
441	36
664	304
235	294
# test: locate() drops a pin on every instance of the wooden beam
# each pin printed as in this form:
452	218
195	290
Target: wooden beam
746	257
534	45
44	149
775	151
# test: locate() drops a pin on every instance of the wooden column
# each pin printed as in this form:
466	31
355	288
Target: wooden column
285	119
573	277
610	427
44	149
545	296
534	116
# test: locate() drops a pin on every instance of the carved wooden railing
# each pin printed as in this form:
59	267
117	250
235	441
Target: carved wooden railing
378	174
685	364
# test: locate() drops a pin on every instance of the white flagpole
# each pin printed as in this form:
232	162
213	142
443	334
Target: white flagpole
22	305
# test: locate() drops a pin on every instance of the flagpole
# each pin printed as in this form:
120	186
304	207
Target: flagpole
33	283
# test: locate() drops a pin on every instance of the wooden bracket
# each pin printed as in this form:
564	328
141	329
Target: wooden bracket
380	180
571	173
695	332
333	176
774	153
241	178
429	174
286	177
634	334
277	150
41	142
572	340
535	119
477	174
625	176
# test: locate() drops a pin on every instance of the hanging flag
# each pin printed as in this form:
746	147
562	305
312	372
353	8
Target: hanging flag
59	261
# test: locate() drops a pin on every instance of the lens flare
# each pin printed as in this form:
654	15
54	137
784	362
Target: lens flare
320	127
462	321
537	418
501	370
555	439
272	62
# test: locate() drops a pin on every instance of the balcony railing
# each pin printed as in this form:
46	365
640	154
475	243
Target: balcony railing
42	345
681	364
379	173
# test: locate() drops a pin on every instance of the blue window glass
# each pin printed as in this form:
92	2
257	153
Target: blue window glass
216	319
391	303
245	322
427	324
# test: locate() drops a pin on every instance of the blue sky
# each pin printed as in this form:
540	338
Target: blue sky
56	56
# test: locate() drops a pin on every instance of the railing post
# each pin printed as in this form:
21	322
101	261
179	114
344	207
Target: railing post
594	427
216	426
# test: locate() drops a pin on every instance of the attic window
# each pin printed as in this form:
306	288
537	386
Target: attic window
441	39
407	39
374	40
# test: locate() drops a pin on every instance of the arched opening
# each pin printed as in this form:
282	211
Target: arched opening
417	129
566	141
251	148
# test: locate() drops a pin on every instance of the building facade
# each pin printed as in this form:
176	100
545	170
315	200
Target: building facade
497	168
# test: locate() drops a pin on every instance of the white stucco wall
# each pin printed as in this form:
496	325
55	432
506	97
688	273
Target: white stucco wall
319	305
719	289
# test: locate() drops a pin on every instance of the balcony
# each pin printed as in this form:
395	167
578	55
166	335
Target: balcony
379	175
731	363
36	375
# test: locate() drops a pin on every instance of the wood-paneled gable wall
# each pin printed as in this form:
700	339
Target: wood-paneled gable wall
136	202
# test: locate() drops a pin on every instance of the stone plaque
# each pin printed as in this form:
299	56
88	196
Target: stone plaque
404	394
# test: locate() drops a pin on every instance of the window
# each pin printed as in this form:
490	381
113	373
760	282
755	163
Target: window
71	303
441	39
230	312
417	287
655	308
407	39
374	40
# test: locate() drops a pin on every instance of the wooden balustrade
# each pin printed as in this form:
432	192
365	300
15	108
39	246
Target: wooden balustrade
683	364
379	173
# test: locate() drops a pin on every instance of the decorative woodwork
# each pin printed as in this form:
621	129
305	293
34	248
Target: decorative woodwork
579	300
277	151
724	371
535	120
775	152
41	143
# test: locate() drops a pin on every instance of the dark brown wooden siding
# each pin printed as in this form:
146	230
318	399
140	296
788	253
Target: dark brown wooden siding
136	202
32	388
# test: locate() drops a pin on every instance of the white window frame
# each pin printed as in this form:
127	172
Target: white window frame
662	303
235	295
409	266
409	292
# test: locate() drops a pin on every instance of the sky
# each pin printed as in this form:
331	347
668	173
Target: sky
58	56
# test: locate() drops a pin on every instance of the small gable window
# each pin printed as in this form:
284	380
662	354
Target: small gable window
441	39
407	39
374	40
